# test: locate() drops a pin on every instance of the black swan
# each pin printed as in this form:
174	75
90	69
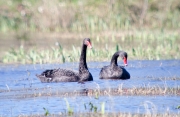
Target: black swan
63	75
113	71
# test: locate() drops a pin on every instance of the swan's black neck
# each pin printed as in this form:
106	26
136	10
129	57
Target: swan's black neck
114	59
82	62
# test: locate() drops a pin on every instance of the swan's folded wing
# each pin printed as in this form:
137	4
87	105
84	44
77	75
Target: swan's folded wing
104	73
58	75
108	72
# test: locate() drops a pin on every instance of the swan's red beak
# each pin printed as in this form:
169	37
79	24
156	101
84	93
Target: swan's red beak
89	44
125	61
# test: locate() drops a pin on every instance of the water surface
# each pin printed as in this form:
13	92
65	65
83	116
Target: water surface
19	88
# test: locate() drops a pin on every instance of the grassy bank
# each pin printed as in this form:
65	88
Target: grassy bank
139	46
146	29
88	16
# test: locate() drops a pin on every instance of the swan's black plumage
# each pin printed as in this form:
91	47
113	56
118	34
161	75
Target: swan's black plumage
63	75
113	71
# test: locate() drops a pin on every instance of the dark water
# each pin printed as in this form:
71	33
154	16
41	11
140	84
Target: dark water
19	87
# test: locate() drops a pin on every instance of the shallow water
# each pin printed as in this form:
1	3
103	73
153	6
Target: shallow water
130	104
19	88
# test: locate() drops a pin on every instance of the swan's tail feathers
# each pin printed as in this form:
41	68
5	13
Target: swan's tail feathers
43	78
38	75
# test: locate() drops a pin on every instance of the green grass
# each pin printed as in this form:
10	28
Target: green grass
88	16
69	109
145	30
140	45
46	112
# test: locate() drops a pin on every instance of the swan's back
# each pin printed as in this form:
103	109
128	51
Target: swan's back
116	72
108	72
58	75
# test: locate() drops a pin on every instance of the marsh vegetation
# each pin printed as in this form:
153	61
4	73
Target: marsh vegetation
145	29
139	46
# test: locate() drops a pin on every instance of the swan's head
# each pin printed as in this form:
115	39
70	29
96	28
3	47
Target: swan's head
124	57
87	42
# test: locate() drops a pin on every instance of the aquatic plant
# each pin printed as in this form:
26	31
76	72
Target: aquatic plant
103	108
8	88
96	95
178	107
92	107
46	112
69	109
